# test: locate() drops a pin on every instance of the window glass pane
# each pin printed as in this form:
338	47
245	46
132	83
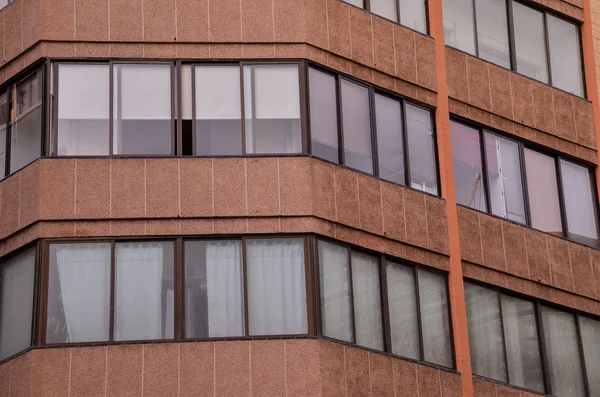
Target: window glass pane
358	3
16	303
543	192
4	117
390	144
367	300
187	92
413	14
336	306
385	8
356	120
218	110
590	336
79	293
142	109
459	25
565	55
530	42
276	286
323	116
402	302
562	348
579	203
468	167
433	297
26	130
83	110
485	332
272	109
522	344
214	298
492	31
421	149
504	178
144	291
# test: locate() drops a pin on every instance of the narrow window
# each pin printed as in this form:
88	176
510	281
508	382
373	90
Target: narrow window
433	301
79	293
565	55
26	122
579	203
522	344
336	298
530	42
492	31
590	335
356	120
214	298
505	178
413	14
187	92
468	167
4	117
390	140
367	300
402	302
272	109
323	116
218	110
542	187
83	110
385	8
276	286
564	356
144	291
421	149
459	25
16	303
142	109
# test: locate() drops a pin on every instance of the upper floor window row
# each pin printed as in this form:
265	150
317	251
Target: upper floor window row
409	13
355	125
504	177
532	345
535	43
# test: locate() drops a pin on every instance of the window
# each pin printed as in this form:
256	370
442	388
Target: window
274	280
590	335
4	116
542	42
3	3
410	13
380	134
17	276
523	185
255	110
141	106
79	293
353	298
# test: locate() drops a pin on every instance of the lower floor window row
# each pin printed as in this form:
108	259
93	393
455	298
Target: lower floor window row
532	345
102	291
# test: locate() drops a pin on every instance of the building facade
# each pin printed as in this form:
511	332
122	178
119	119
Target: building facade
299	198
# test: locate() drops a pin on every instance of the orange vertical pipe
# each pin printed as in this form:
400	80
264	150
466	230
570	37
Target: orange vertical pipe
456	284
589	65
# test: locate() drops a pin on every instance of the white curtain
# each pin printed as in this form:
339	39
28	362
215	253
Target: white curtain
139	313
367	300
80	288
590	335
276	287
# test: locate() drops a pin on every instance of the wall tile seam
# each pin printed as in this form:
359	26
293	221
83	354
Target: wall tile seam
503	245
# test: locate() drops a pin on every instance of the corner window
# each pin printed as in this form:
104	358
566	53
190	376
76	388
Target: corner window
354	303
17	276
410	13
380	134
546	47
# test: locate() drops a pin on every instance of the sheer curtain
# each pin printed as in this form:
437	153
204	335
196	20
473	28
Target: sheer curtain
590	335
79	293
144	301
214	289
367	300
564	356
276	286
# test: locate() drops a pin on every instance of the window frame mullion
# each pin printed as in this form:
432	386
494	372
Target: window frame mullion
512	45
504	348
475	37
584	371
407	176
561	197
351	285
542	346
484	171
547	46
419	314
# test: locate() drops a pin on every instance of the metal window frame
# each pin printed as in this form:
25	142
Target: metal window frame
383	260
366	6
556	156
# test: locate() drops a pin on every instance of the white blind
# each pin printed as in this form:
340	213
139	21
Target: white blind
218	93
83	92
276	91
145	92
